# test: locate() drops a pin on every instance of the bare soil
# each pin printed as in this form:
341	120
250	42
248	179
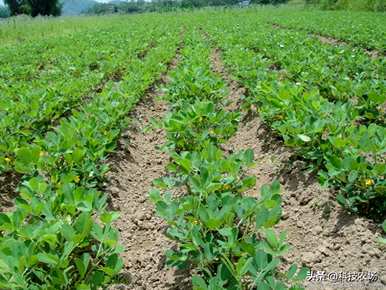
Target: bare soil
137	163
9	182
235	91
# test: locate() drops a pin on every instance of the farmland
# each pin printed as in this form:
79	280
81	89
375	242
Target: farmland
215	149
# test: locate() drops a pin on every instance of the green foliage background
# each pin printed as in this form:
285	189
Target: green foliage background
4	12
169	5
361	5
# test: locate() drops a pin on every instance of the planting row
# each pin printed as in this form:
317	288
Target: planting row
58	58
29	109
344	141
59	236
16	31
338	73
222	235
365	29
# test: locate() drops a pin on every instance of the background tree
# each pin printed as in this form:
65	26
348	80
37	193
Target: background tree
272	2
14	6
4	12
45	7
34	7
360	5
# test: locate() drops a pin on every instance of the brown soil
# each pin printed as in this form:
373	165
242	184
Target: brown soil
322	235
8	190
235	91
142	54
137	163
330	40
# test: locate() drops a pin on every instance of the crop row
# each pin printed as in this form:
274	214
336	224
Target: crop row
59	236
54	60
363	29
49	59
339	140
44	59
22	30
225	236
32	108
338	73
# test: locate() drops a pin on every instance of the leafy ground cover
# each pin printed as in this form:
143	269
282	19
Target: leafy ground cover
359	28
63	82
63	112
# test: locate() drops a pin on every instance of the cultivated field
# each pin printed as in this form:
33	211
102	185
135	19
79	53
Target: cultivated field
216	149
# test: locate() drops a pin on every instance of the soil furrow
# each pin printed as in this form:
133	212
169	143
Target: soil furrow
235	91
8	190
322	235
130	179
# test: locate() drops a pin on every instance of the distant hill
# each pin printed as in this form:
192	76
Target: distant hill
76	7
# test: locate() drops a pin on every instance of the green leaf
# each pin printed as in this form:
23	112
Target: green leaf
82	264
48	258
108	217
97	278
84	224
261	217
291	271
83	287
302	274
37	185
198	283
271	238
249	182
160	183
26	159
4	219
248	156
304	138
275	187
